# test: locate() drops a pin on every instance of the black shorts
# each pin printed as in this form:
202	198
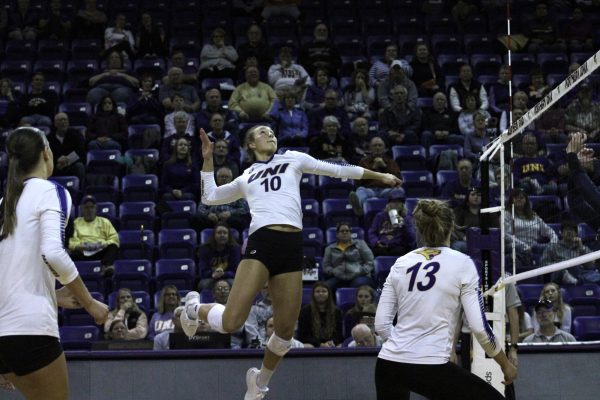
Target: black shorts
395	381
279	251
24	354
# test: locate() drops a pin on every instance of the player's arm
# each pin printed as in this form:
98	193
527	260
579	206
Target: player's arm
386	309
311	165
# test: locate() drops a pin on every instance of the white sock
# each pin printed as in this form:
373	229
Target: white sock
264	376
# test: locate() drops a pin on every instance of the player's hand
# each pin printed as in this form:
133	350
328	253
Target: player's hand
65	298
510	373
512	356
98	311
391	180
207	145
576	142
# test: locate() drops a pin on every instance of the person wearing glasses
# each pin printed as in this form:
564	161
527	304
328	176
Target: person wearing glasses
127	311
274	251
347	262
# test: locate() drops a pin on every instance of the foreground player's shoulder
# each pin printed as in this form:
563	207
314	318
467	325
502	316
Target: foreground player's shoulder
51	193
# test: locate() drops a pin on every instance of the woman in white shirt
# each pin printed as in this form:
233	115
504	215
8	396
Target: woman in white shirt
33	217
426	289
274	251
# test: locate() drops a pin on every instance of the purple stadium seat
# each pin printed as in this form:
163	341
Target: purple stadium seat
132	274
180	272
177	243
136	244
78	337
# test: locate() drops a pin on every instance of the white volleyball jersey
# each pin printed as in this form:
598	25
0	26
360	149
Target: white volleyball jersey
272	187
426	289
31	258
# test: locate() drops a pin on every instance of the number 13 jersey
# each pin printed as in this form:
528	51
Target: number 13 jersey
272	187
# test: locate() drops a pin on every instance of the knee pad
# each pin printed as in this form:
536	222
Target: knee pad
278	345
215	318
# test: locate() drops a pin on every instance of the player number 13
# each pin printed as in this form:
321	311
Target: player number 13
429	280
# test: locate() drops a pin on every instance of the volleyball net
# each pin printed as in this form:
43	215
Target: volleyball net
529	192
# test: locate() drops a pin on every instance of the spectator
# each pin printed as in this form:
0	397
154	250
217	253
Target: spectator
181	120
466	118
256	323
180	178
533	173
119	39
542	32
287	75
235	214
219	257
89	23
363	336
162	319
39	105
189	73
320	322
220	291
551	125
546	331
570	246
291	122
11	97
178	104
94	237
212	104
360	139
466	84
23	22
114	81
552	293
456	191
578	32
133	317
380	69
377	160
68	149
56	24
400	122
218	132
392	232
320	52
117	330
400	72
316	92
107	129
151	41
538	88
330	145
270	329
217	59
331	108
175	85
145	108
498	97
479	138
531	234
286	8
255	47
347	262
359	96
467	215
252	100
582	114
427	74
440	124
365	297
221	158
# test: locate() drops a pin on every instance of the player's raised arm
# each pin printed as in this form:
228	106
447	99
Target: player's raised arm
207	151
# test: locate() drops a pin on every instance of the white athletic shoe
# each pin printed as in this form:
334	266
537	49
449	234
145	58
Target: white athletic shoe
189	316
253	391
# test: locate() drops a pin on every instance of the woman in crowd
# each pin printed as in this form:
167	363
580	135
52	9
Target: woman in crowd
359	96
180	175
161	320
320	322
347	261
107	129
219	257
551	292
132	316
217	59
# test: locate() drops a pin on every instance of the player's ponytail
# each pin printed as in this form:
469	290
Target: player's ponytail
434	220
24	146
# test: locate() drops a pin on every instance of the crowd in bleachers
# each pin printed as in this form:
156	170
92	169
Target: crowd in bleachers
414	88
